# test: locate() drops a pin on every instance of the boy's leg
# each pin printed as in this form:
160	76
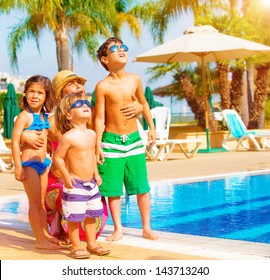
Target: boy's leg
115	209
76	250
143	201
90	232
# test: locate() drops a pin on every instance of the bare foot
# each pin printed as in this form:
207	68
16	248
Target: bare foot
149	234
47	245
54	240
117	235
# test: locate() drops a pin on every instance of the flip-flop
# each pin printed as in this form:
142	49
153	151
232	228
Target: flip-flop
75	254
99	251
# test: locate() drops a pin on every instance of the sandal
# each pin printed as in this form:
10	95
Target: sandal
99	251
79	254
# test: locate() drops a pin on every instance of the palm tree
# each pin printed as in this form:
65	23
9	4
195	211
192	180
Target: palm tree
257	14
187	83
79	23
236	89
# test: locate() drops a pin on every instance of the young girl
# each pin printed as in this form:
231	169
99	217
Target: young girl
75	159
31	165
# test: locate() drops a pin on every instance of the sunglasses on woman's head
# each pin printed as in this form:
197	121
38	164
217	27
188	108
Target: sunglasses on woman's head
79	103
115	48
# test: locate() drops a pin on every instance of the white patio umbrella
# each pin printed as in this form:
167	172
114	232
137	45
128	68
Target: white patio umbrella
202	44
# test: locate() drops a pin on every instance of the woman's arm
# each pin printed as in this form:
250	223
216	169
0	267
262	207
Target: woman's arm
33	138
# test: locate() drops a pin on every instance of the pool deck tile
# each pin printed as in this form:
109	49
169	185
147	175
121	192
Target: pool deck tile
16	239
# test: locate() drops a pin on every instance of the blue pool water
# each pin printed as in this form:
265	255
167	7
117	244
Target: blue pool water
236	207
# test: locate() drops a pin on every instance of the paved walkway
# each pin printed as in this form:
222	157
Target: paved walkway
16	240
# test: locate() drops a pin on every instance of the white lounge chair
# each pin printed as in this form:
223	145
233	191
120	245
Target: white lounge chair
5	152
243	137
162	117
165	146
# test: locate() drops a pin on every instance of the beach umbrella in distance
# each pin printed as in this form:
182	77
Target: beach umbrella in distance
149	97
150	100
11	110
203	44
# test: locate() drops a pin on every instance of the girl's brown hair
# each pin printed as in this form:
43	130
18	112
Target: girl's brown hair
46	83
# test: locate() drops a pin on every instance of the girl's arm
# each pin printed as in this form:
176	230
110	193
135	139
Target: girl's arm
59	160
19	126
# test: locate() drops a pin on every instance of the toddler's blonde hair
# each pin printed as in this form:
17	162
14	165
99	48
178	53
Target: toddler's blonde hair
61	121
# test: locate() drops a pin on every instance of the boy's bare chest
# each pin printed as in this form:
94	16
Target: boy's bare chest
122	92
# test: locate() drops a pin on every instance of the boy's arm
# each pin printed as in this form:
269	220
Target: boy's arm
96	175
99	121
146	111
19	126
59	161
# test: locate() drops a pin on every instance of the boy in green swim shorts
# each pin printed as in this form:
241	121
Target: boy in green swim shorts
120	151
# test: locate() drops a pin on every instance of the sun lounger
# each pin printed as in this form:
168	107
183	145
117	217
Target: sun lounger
5	152
163	149
243	137
171	144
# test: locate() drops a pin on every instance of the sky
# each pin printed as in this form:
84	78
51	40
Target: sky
31	62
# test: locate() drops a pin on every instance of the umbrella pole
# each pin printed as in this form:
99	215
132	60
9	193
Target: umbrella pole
205	107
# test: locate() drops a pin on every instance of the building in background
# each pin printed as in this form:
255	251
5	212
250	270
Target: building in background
6	78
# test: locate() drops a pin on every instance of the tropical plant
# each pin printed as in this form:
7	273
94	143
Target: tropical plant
75	25
258	16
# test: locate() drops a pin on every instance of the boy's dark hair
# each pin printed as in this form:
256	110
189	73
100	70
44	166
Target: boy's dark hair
102	51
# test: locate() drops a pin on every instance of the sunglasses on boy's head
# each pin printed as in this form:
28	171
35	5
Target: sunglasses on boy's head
79	103
115	48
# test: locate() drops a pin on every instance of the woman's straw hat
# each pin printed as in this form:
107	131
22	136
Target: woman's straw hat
61	79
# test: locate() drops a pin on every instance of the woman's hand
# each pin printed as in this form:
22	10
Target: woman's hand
33	138
132	110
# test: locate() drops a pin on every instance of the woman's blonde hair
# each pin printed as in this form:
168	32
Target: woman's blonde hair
61	121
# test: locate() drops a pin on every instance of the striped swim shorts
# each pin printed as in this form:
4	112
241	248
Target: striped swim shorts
81	202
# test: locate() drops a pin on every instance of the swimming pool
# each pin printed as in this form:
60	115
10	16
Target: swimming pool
234	207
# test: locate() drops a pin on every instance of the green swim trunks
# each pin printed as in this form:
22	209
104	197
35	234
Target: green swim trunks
124	164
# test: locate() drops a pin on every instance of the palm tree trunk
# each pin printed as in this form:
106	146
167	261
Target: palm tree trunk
236	90
260	95
223	71
196	104
62	49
